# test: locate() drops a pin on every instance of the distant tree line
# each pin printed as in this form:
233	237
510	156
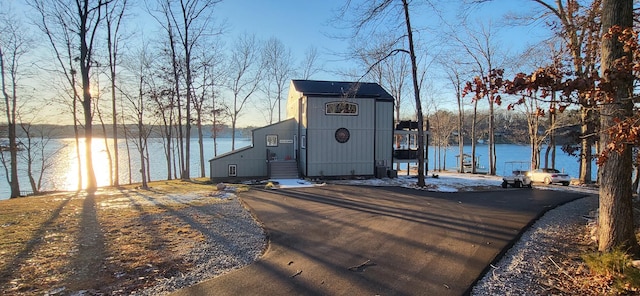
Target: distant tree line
67	131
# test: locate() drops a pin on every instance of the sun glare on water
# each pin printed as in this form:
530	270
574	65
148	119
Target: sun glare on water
100	165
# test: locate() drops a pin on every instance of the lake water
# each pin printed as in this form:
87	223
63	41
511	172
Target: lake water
62	175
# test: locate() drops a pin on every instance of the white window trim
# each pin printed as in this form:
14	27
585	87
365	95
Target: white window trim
232	170
272	143
327	108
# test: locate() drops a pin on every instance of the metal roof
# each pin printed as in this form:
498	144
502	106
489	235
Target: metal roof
341	89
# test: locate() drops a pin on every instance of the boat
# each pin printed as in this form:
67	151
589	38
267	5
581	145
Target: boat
467	165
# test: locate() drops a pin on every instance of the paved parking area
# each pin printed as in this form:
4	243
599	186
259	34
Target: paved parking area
356	240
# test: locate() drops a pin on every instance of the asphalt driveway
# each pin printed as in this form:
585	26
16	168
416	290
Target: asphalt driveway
355	240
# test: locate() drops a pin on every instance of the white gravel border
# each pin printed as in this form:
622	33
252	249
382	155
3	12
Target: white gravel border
233	241
516	272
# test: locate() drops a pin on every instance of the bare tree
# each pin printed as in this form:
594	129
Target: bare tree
192	22
245	73
14	44
442	124
175	102
480	47
454	75
100	118
540	99
278	69
210	67
62	42
141	68
37	155
83	22
114	16
188	24
532	112
373	14
309	65
390	71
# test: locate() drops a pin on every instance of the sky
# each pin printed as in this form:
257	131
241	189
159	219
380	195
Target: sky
302	24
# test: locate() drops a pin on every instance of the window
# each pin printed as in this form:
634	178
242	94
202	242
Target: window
341	108
303	142
272	140
233	170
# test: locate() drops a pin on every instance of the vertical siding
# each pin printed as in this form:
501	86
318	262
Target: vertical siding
285	131
328	157
384	132
252	161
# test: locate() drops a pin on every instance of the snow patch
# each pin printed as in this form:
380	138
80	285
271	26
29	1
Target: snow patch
441	182
294	183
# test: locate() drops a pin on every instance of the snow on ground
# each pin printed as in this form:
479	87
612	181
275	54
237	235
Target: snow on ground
295	183
445	181
442	181
153	199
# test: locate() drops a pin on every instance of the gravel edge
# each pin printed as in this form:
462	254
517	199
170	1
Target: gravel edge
234	240
524	269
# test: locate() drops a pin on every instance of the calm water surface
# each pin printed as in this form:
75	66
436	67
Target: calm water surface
63	172
62	175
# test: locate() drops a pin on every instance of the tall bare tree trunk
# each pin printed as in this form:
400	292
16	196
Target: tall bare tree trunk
76	131
186	173
84	13
126	143
201	145
180	131
112	47
616	228
142	135
106	143
460	125
551	148
416	91
474	136
10	105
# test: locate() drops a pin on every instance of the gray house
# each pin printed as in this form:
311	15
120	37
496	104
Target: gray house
334	129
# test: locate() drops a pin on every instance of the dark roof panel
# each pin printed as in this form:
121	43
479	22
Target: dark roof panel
342	89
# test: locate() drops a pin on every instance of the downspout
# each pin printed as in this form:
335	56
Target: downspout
393	139
375	135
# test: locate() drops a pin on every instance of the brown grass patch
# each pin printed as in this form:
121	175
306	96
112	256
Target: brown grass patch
47	243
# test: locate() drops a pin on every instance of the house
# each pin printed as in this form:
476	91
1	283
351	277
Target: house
334	129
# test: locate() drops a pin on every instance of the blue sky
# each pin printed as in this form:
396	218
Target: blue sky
301	24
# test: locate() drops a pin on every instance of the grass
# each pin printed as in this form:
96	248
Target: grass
123	239
616	268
